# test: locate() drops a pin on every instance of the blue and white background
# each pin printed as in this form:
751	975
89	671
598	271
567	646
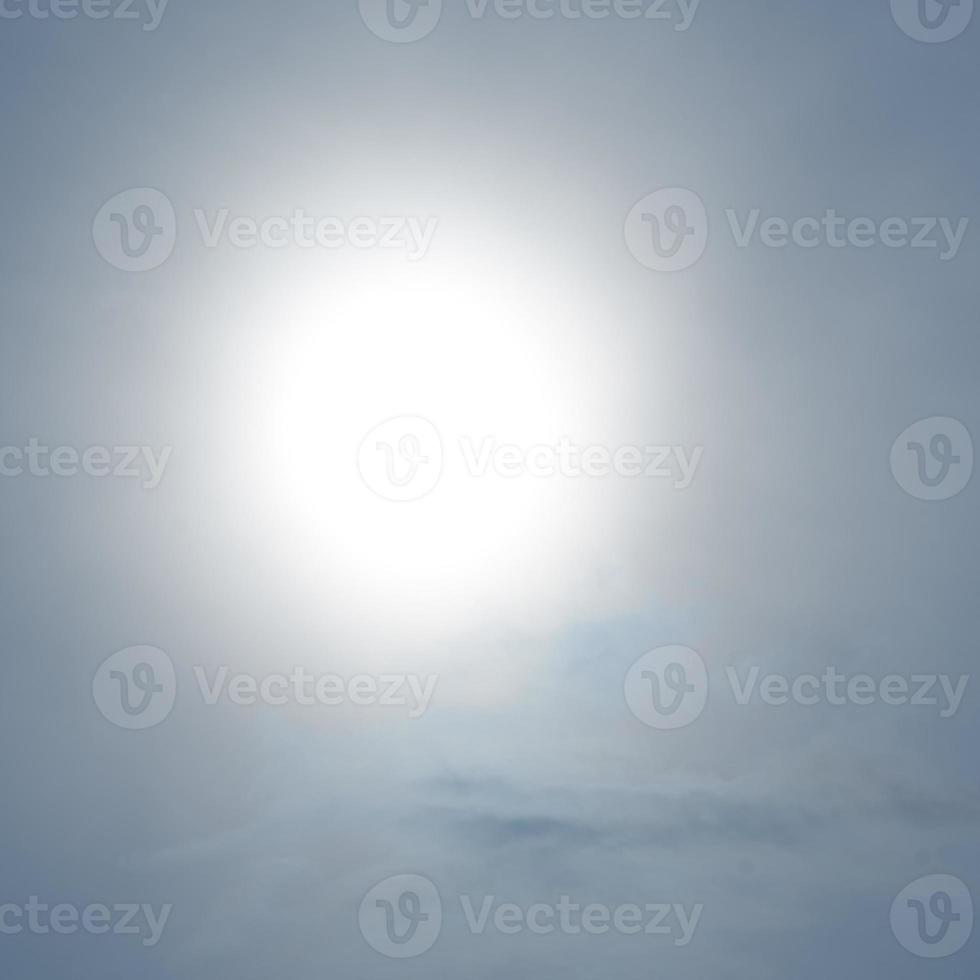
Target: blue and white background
466	461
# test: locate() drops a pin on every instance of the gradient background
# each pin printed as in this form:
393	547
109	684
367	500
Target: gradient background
528	778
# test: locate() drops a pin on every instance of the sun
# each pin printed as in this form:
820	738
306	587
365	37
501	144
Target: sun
475	357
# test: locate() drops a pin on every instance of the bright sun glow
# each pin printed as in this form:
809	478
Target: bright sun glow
480	359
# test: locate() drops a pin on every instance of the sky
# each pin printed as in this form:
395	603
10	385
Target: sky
469	464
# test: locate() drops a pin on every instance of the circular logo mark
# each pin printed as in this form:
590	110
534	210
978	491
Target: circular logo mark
401	21
401	917
668	687
136	688
933	459
933	917
933	21
667	231
136	231
401	460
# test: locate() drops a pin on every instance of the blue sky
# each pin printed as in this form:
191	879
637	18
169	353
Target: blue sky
527	320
